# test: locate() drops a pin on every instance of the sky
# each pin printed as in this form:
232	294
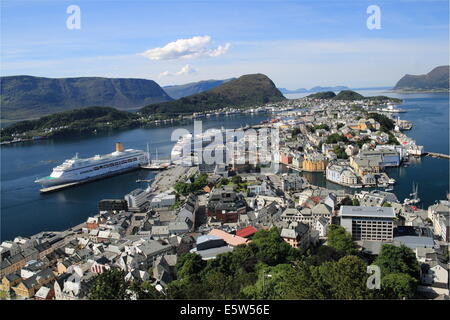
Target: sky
298	44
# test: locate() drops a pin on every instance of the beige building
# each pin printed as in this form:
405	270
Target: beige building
314	163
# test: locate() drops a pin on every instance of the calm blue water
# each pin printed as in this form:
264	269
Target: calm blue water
24	211
430	116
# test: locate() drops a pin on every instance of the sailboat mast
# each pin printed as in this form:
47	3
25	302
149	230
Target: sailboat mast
148	154
416	192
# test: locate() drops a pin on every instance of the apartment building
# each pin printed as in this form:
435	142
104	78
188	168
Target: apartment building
368	223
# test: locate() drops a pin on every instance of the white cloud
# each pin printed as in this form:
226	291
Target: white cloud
195	47
183	71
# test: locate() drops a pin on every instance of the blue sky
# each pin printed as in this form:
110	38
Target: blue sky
296	43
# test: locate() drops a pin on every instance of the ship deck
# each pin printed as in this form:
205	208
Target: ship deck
76	183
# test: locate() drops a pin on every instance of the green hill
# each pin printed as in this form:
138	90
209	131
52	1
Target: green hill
24	97
248	90
72	122
436	79
348	95
184	90
322	95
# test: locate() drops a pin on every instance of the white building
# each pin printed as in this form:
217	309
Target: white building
341	174
136	198
162	200
368	223
322	226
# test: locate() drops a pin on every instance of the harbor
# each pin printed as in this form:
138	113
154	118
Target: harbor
23	163
437	155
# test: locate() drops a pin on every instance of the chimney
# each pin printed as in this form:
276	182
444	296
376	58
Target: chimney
119	147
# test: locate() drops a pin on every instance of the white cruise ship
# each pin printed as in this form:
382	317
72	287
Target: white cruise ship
79	170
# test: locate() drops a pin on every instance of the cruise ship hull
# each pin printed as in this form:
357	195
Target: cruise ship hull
76	171
48	183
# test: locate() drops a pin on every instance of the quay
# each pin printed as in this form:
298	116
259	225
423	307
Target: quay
77	183
437	155
60	186
154	166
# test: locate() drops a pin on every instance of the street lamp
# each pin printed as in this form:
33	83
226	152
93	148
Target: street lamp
263	286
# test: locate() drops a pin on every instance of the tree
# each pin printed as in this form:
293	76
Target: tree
187	289
236	179
398	286
345	279
144	290
335	138
109	285
340	239
189	265
199	182
183	188
355	202
394	259
346	201
362	141
302	282
270	283
272	249
196	184
323	254
387	204
219	285
386	124
340	152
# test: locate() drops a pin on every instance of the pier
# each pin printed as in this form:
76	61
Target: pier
437	155
77	183
59	187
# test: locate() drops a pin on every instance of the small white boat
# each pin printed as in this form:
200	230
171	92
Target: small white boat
414	194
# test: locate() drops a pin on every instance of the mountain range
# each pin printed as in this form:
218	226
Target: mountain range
350	95
24	97
436	79
184	90
314	89
247	90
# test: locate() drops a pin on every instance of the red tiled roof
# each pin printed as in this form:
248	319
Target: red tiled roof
246	232
316	199
231	239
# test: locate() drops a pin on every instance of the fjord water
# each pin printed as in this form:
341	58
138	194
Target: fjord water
24	211
429	113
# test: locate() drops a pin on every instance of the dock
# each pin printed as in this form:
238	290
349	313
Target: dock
77	183
293	168
59	187
437	155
